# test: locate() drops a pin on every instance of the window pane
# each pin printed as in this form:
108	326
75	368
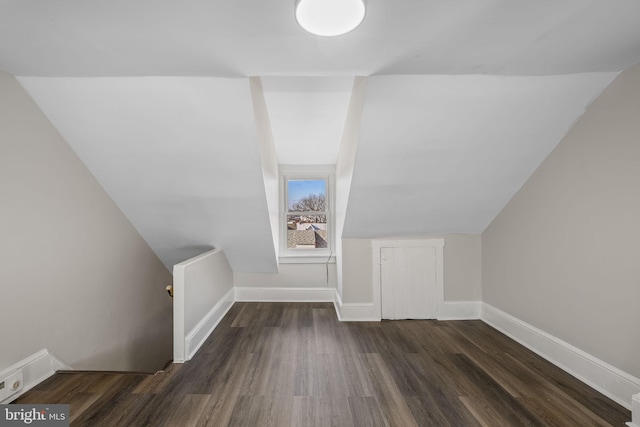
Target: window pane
307	195
306	231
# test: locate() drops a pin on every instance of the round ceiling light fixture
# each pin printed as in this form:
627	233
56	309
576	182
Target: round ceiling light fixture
329	18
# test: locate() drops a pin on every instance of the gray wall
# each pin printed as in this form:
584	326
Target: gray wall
462	268
76	278
290	276
357	273
563	254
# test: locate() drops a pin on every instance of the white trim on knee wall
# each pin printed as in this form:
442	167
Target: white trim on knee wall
635	411
199	334
603	377
30	372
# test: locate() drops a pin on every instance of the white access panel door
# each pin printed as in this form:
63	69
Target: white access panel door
408	282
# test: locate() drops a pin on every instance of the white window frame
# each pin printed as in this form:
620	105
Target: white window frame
320	255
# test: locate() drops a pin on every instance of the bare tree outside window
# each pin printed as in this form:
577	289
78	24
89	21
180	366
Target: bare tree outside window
307	214
313	202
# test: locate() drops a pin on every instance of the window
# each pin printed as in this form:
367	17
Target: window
306	218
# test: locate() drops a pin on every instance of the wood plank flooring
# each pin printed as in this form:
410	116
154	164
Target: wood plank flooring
294	364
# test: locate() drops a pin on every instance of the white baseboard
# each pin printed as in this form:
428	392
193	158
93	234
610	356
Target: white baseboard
365	312
608	380
355	312
35	369
635	411
199	334
459	310
245	294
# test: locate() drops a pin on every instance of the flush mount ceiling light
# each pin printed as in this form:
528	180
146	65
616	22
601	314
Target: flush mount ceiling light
329	17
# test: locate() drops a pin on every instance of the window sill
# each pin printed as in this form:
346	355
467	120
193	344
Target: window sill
307	259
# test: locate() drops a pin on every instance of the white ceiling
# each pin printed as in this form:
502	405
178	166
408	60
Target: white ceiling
464	100
307	117
261	38
444	154
177	154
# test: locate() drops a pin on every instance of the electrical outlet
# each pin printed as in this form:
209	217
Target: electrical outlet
11	385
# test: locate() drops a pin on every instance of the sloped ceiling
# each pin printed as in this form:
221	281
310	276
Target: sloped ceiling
444	154
178	155
464	100
307	117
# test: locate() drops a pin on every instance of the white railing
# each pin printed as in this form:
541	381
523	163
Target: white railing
202	294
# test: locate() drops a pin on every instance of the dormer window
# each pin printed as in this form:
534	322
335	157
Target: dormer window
306	224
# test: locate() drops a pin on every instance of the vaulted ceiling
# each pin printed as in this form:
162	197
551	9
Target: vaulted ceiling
463	101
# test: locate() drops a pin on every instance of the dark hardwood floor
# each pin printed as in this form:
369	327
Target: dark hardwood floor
294	364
